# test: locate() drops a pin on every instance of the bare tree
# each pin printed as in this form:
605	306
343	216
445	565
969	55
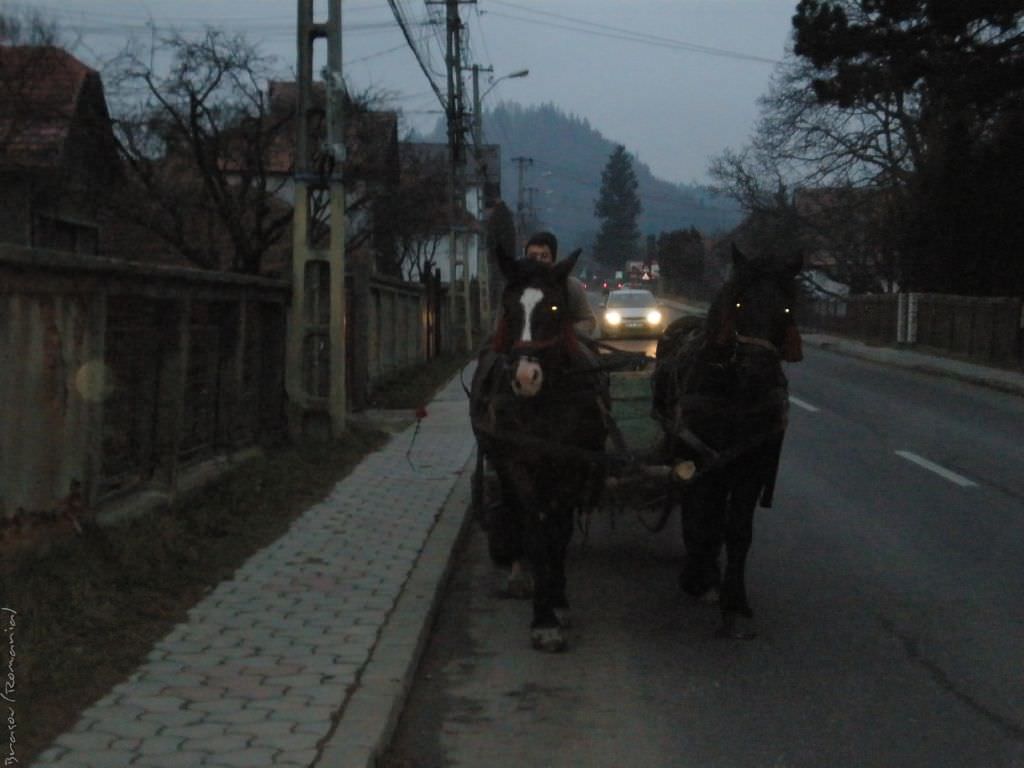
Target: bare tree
417	214
196	143
823	178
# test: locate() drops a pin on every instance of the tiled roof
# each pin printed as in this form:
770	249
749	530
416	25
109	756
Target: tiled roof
40	88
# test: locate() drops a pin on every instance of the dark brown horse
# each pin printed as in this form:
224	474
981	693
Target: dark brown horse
722	398
537	418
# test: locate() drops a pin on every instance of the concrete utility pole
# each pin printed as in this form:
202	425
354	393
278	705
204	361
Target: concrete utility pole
478	121
315	369
483	267
460	301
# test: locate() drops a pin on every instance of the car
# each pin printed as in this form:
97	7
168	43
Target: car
631	312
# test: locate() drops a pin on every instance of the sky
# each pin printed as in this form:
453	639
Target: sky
675	81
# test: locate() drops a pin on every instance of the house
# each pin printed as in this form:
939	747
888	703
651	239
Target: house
370	172
481	185
58	156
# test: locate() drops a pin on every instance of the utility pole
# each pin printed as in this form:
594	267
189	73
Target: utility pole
531	206
478	127
460	301
523	163
315	367
483	269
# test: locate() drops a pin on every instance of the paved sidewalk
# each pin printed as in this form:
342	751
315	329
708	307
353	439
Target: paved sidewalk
304	657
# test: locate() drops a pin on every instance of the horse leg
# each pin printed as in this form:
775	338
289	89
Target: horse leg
543	547
739	532
505	539
559	555
703	509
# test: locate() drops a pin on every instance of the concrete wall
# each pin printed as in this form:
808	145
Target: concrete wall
51	390
100	380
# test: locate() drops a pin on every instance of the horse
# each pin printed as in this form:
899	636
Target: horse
721	396
538	415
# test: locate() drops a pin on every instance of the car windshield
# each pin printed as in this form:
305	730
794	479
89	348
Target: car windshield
638	299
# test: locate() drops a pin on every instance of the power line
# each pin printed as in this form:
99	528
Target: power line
618	33
397	11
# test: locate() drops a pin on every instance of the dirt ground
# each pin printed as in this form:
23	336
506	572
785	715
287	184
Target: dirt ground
90	606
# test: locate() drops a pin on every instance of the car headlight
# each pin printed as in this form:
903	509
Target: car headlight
653	317
612	317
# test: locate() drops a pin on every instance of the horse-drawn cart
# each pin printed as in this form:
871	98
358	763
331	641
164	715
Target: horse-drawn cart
569	431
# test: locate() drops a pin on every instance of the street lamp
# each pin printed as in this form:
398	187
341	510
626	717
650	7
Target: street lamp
479	97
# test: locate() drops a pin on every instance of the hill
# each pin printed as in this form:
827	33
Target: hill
568	157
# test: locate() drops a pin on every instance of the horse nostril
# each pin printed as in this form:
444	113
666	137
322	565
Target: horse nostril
536	375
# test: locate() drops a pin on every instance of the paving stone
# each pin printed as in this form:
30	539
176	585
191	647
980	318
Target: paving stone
240	717
126	745
296	681
204	730
247	758
86	742
194	693
161	745
217	745
221	705
173	760
109	758
164	703
303	758
292	741
266	728
174	719
303	715
50	756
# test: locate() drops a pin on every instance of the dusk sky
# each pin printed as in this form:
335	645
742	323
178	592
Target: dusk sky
675	81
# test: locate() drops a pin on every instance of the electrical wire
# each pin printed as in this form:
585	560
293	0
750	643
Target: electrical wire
618	33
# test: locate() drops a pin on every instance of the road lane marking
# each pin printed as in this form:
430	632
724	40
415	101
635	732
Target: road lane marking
803	404
942	472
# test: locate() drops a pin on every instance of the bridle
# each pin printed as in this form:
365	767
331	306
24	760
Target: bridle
728	335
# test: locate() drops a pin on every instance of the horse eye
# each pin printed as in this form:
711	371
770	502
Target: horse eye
738	305
787	310
554	308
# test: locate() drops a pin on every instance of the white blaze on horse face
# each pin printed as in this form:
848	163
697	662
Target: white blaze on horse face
531	298
529	375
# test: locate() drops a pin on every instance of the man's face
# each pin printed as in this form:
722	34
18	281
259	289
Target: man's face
541	253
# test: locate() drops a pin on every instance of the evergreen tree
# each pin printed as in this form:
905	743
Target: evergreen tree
617	207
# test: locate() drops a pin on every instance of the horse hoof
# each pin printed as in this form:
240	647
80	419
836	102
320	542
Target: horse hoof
564	617
736	627
548	639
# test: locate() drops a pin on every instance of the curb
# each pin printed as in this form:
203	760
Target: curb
368	720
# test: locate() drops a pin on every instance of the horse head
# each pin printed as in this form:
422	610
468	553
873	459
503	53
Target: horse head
756	305
536	326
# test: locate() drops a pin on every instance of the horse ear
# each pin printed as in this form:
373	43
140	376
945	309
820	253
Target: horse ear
564	268
739	261
505	263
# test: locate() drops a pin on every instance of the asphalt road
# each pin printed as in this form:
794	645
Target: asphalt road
888	584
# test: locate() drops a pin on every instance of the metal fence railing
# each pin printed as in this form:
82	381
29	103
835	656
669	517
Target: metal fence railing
980	329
